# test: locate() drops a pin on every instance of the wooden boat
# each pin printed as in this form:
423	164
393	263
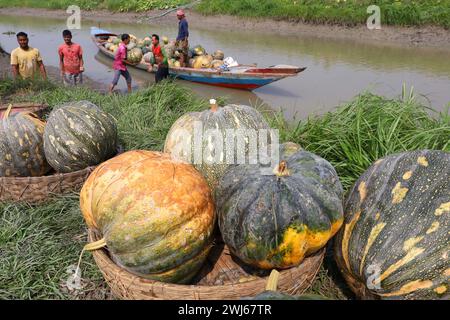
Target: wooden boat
239	77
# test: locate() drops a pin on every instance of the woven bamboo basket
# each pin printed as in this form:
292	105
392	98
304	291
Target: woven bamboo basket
39	189
37	108
222	278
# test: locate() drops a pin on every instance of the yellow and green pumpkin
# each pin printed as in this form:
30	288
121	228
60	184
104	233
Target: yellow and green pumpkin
22	146
202	62
78	135
395	240
134	55
156	214
275	220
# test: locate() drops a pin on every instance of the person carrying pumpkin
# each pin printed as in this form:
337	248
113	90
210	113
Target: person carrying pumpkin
161	59
182	43
25	60
119	66
70	61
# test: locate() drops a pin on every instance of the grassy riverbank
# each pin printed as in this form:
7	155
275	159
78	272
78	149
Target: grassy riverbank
39	243
113	5
344	12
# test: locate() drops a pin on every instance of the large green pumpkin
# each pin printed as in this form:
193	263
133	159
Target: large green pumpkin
79	135
22	146
275	221
182	139
395	242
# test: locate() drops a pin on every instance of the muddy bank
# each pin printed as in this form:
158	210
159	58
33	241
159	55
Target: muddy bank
52	73
413	36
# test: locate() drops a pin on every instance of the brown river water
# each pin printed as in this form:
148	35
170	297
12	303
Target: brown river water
336	70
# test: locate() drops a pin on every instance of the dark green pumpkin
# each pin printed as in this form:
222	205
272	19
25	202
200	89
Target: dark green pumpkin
275	221
271	292
230	117
395	242
79	135
22	146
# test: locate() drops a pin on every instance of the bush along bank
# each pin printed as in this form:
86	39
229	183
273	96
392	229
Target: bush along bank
351	138
349	12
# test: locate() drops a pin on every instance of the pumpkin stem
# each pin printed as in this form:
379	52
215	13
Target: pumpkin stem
90	247
8	111
272	283
214	106
281	170
95	245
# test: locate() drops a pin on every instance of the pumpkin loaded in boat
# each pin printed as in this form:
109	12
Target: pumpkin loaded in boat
395	241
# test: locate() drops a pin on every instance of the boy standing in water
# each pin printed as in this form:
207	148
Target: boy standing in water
70	61
119	64
25	60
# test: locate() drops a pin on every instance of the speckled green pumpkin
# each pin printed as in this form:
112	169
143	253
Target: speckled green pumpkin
79	135
22	146
212	163
275	219
395	242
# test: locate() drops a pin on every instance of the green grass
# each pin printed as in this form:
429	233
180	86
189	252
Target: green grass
367	129
113	5
39	243
349	12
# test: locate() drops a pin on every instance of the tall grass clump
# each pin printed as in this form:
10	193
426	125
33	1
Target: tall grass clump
143	117
367	129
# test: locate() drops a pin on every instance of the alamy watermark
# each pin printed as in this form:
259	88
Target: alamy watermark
229	146
74	20
374	20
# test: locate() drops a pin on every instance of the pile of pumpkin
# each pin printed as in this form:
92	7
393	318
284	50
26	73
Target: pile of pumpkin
74	136
139	51
157	212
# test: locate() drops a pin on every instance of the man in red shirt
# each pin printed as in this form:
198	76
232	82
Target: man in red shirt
161	60
71	61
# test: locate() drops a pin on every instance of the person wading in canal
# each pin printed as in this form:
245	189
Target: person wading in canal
119	65
161	60
25	60
182	43
70	61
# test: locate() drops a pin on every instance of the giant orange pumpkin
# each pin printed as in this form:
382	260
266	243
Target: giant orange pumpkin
156	214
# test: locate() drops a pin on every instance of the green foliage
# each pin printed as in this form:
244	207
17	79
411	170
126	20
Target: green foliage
113	5
367	129
345	12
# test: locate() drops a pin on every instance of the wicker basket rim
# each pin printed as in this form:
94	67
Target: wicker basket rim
52	177
199	288
40	106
